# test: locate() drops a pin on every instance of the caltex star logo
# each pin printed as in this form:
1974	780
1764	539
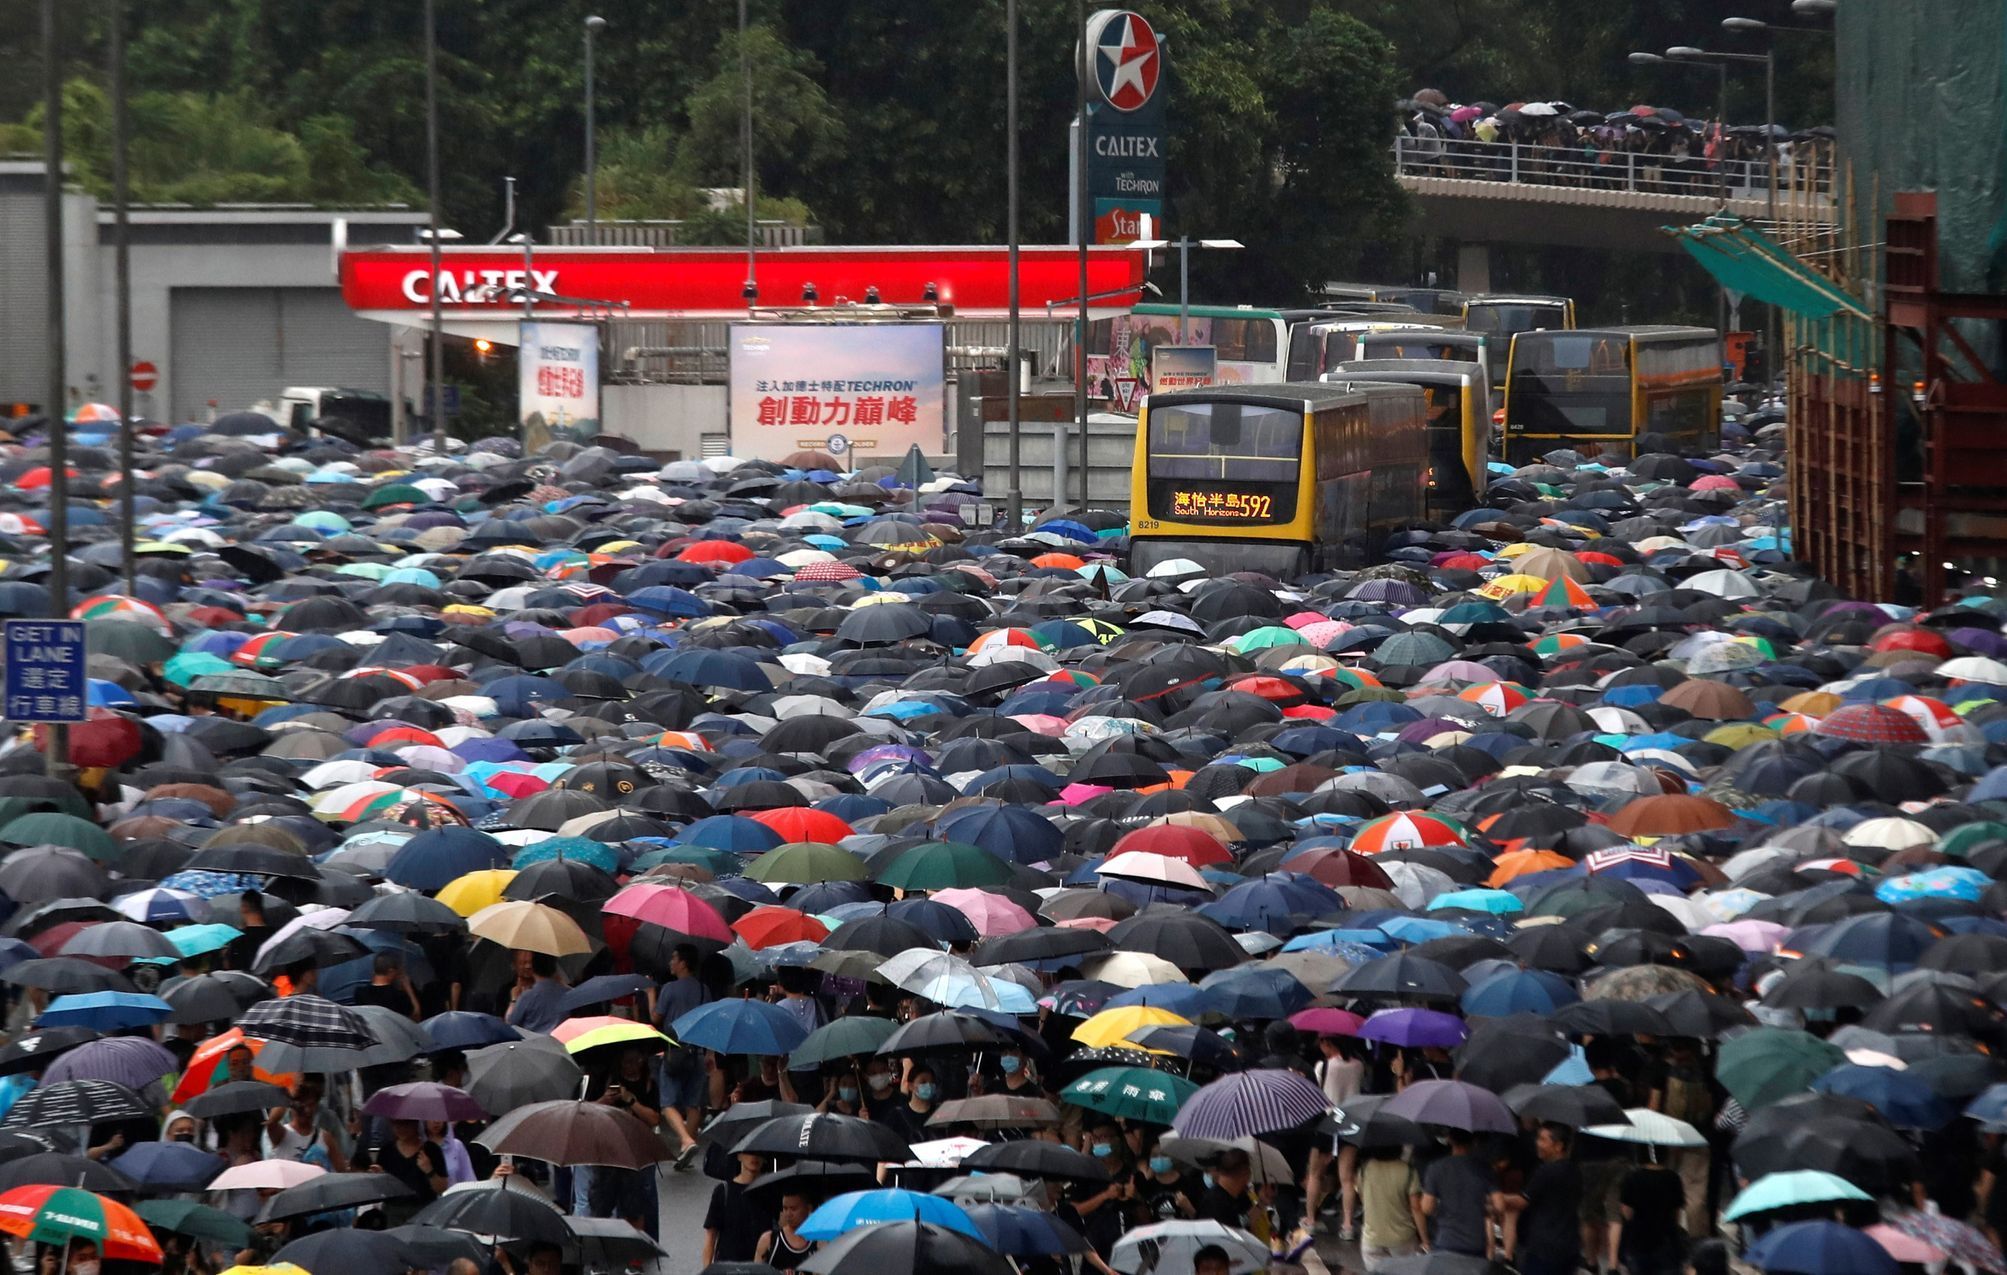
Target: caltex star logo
1126	62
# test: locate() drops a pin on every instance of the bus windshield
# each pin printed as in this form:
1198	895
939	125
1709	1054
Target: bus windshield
1225	442
1571	383
1505	319
1406	345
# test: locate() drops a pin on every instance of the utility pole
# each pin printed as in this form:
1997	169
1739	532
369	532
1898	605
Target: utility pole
1014	500
56	754
437	401
1083	218
122	283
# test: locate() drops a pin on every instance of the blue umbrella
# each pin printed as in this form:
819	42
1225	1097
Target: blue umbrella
105	1011
734	833
1905	1101
1016	833
740	1027
1820	1248
1514	991
1184	999
1017	1231
169	1166
439	855
1255	992
465	1029
844	1213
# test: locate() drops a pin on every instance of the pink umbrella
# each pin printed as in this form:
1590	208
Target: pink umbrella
1041	723
1715	482
1325	1021
1751	936
1074	794
1904	1248
992	913
1303	619
672	908
1099	924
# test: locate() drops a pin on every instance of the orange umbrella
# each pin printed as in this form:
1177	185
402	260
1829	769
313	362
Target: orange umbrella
1520	863
209	1065
1063	560
1670	815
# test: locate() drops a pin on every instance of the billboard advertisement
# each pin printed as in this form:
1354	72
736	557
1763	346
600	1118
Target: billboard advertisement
557	382
849	389
1182	367
1131	355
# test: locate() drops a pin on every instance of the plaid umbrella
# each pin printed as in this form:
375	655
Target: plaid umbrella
1250	1102
307	1022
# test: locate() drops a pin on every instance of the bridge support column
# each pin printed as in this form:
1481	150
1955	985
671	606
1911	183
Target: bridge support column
1473	267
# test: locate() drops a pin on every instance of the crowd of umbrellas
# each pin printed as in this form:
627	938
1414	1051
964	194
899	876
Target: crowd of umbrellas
408	780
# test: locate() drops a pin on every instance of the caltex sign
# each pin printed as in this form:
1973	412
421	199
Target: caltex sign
1125	124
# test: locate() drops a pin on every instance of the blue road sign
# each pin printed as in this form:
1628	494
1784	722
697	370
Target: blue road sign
45	680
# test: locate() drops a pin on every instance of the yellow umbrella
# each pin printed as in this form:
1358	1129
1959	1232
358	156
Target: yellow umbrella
277	1268
1506	586
533	927
1113	1026
580	1034
477	890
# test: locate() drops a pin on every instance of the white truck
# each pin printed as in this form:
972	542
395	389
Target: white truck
361	417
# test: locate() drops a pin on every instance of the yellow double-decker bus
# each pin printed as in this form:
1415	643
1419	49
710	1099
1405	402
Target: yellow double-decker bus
1598	390
1283	479
1457	400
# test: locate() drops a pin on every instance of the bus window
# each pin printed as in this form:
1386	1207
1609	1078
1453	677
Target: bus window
1225	442
1244	340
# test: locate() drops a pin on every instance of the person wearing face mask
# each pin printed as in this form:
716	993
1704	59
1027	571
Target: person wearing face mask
842	1096
180	1127
1101	1210
881	1090
83	1259
1016	1075
909	1118
1165	1188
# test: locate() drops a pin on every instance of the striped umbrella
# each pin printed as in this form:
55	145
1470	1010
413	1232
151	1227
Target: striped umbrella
1265	1100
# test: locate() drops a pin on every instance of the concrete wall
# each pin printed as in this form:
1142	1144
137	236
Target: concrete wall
1048	460
664	418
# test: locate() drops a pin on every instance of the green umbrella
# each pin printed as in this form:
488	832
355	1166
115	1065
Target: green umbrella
1268	635
69	831
1785	1190
396	494
1961	841
1130	1093
68	802
123	640
804	863
198	1221
183	669
840	1039
944	865
717	862
1768	1063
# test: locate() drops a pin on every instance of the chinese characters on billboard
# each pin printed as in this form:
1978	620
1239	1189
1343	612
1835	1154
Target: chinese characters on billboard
1130	353
862	389
1182	367
558	382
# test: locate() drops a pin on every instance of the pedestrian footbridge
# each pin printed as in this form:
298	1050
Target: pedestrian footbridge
1481	193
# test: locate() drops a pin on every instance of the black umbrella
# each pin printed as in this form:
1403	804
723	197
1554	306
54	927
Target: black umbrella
75	1103
332	1191
1185	939
33	1051
66	976
236	1097
825	1137
1572	1105
1036	1159
571	1132
1402	976
350	1249
906	1248
945	1029
51	1169
516	1073
494	1209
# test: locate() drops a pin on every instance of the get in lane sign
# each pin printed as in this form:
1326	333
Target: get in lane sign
45	680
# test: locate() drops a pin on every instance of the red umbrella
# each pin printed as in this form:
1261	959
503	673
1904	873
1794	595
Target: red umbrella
801	823
770	926
1175	841
1337	868
105	742
720	551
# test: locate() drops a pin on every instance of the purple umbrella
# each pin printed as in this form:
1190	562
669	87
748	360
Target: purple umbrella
423	1100
1415	1028
1250	1102
123	1060
1452	1104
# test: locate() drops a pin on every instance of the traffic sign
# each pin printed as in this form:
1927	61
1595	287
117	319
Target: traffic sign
1127	390
45	679
144	376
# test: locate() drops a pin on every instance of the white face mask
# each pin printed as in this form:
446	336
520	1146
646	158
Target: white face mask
85	1268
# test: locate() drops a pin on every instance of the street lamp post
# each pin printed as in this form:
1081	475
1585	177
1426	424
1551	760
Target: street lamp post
1720	109
436	398
593	26
1687	53
1184	245
1083	220
122	286
56	754
752	288
1014	499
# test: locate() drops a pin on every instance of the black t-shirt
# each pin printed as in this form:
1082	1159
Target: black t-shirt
738	1221
908	1123
1550	1226
1222	1207
390	996
1160	1197
1655	1198
405	1169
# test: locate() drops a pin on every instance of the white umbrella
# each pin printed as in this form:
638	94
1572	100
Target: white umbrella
1160	869
1168	1248
1649	1128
